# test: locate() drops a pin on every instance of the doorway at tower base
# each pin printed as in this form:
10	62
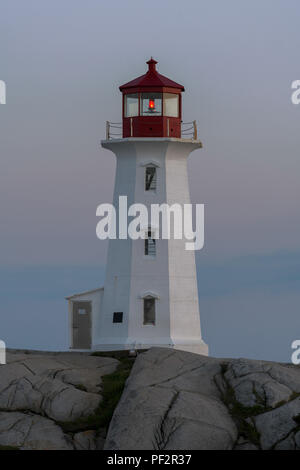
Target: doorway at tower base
196	348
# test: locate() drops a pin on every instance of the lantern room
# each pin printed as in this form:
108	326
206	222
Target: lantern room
151	105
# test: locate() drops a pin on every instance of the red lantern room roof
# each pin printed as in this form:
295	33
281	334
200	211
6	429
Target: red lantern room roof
151	79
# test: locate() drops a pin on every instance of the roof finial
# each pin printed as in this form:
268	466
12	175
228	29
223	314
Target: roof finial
152	65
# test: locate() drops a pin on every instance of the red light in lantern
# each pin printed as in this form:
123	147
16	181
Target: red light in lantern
151	104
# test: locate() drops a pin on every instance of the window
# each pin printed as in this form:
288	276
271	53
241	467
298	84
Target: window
150	178
171	104
150	244
149	311
131	105
151	104
81	311
118	317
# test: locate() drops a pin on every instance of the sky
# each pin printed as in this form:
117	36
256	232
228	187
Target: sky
63	62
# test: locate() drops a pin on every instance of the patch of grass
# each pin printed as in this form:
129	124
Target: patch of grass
294	395
249	431
241	413
244	412
259	400
111	390
279	404
236	408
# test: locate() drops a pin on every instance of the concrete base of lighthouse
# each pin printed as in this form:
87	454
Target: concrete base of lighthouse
94	298
196	348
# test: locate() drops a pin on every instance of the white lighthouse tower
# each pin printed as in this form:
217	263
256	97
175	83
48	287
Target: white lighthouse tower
150	296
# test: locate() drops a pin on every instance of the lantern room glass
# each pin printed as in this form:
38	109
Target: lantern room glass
151	104
132	105
171	105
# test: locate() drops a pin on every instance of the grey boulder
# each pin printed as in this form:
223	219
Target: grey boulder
171	402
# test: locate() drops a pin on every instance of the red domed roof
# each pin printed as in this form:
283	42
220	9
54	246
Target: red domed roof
151	79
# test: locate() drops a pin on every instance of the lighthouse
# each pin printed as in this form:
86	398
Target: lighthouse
150	295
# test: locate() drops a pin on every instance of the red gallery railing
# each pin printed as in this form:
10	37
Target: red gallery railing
114	130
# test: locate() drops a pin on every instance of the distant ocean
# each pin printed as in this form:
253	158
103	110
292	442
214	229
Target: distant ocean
250	306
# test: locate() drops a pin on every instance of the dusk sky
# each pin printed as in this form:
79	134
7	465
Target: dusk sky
63	62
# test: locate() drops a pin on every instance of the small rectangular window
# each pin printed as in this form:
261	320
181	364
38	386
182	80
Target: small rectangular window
150	244
149	311
171	104
81	311
118	317
150	178
131	105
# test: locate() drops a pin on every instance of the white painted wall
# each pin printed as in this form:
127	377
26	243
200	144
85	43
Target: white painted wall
130	274
183	289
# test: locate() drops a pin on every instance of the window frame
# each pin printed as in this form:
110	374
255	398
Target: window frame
118	317
152	244
178	105
140	111
154	179
125	105
149	93
145	299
